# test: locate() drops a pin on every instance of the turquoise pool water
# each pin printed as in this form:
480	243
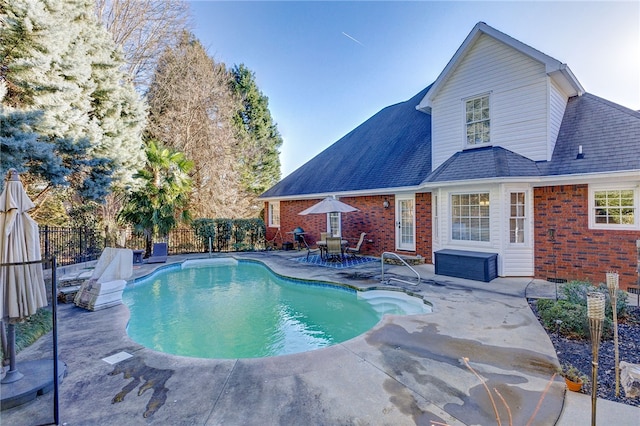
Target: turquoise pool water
231	309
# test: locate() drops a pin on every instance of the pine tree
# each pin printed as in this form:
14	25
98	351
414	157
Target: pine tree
52	57
260	138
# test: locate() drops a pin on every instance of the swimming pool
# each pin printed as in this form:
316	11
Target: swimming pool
224	308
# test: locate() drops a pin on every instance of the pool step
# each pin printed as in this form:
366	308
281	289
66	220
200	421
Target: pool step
393	302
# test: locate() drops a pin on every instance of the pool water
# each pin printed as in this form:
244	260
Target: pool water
232	309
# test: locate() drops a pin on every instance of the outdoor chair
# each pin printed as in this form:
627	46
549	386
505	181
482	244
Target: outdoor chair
309	249
334	249
353	251
158	254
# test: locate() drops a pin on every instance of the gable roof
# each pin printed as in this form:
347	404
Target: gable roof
609	134
558	71
391	149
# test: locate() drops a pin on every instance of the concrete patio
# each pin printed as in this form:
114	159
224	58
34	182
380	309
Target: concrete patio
407	370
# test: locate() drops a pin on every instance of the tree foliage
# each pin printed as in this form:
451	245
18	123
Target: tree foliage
65	94
191	108
259	136
161	203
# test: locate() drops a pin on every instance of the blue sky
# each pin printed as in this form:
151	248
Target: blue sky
328	66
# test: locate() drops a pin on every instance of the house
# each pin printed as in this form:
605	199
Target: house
504	153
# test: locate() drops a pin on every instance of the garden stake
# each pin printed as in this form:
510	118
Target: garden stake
612	285
595	312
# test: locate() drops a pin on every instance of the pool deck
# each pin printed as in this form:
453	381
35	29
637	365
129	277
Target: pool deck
407	370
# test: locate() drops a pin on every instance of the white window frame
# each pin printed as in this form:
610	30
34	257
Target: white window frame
522	216
465	102
470	216
338	219
436	220
274	219
593	189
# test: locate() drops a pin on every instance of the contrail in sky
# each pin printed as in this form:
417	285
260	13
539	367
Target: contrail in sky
347	35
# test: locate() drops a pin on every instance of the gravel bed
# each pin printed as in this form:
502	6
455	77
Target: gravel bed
579	353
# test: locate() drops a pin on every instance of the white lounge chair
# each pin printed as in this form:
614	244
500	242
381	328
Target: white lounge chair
104	288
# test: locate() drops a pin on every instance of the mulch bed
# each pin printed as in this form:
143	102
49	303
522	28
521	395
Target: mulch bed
579	353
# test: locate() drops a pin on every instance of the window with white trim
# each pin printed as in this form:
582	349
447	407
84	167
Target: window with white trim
274	213
470	217
436	224
614	208
333	220
477	120
517	218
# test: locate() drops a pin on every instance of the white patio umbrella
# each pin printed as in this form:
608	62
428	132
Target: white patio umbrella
21	286
329	205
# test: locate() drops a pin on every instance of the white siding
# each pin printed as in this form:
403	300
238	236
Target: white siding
556	111
517	259
519	101
513	259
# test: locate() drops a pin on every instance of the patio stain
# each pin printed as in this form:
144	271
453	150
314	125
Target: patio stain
471	406
154	378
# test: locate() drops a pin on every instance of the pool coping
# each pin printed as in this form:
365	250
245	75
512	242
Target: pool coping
389	375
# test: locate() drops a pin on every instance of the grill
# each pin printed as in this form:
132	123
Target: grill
298	236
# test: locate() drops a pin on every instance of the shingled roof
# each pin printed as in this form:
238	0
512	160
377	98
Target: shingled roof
609	134
391	149
495	162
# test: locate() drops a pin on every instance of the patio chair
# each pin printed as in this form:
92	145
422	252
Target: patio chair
309	249
353	251
158	254
334	249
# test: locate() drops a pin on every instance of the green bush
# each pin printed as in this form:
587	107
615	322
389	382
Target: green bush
568	317
576	292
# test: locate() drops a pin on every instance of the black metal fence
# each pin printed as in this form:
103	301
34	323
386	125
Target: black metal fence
70	245
75	245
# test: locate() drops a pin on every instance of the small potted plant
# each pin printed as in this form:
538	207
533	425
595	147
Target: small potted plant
573	377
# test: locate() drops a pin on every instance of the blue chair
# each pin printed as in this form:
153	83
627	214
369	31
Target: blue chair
158	254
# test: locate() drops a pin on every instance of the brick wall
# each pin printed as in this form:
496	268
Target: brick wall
373	218
572	251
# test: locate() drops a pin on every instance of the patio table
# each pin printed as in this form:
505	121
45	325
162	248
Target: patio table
322	245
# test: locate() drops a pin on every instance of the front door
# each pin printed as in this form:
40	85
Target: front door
405	223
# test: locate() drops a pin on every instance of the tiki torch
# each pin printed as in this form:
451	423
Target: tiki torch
612	285
595	312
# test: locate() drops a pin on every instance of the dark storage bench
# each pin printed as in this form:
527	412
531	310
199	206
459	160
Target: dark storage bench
472	265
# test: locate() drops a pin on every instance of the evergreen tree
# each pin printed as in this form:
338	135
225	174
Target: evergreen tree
260	138
53	59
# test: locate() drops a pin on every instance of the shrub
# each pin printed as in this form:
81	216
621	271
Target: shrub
576	292
568	319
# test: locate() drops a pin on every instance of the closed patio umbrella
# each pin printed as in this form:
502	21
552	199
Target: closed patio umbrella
21	286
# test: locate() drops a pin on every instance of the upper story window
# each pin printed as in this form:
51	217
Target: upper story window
477	120
614	208
274	213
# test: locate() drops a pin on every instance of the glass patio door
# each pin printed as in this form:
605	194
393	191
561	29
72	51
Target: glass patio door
405	223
